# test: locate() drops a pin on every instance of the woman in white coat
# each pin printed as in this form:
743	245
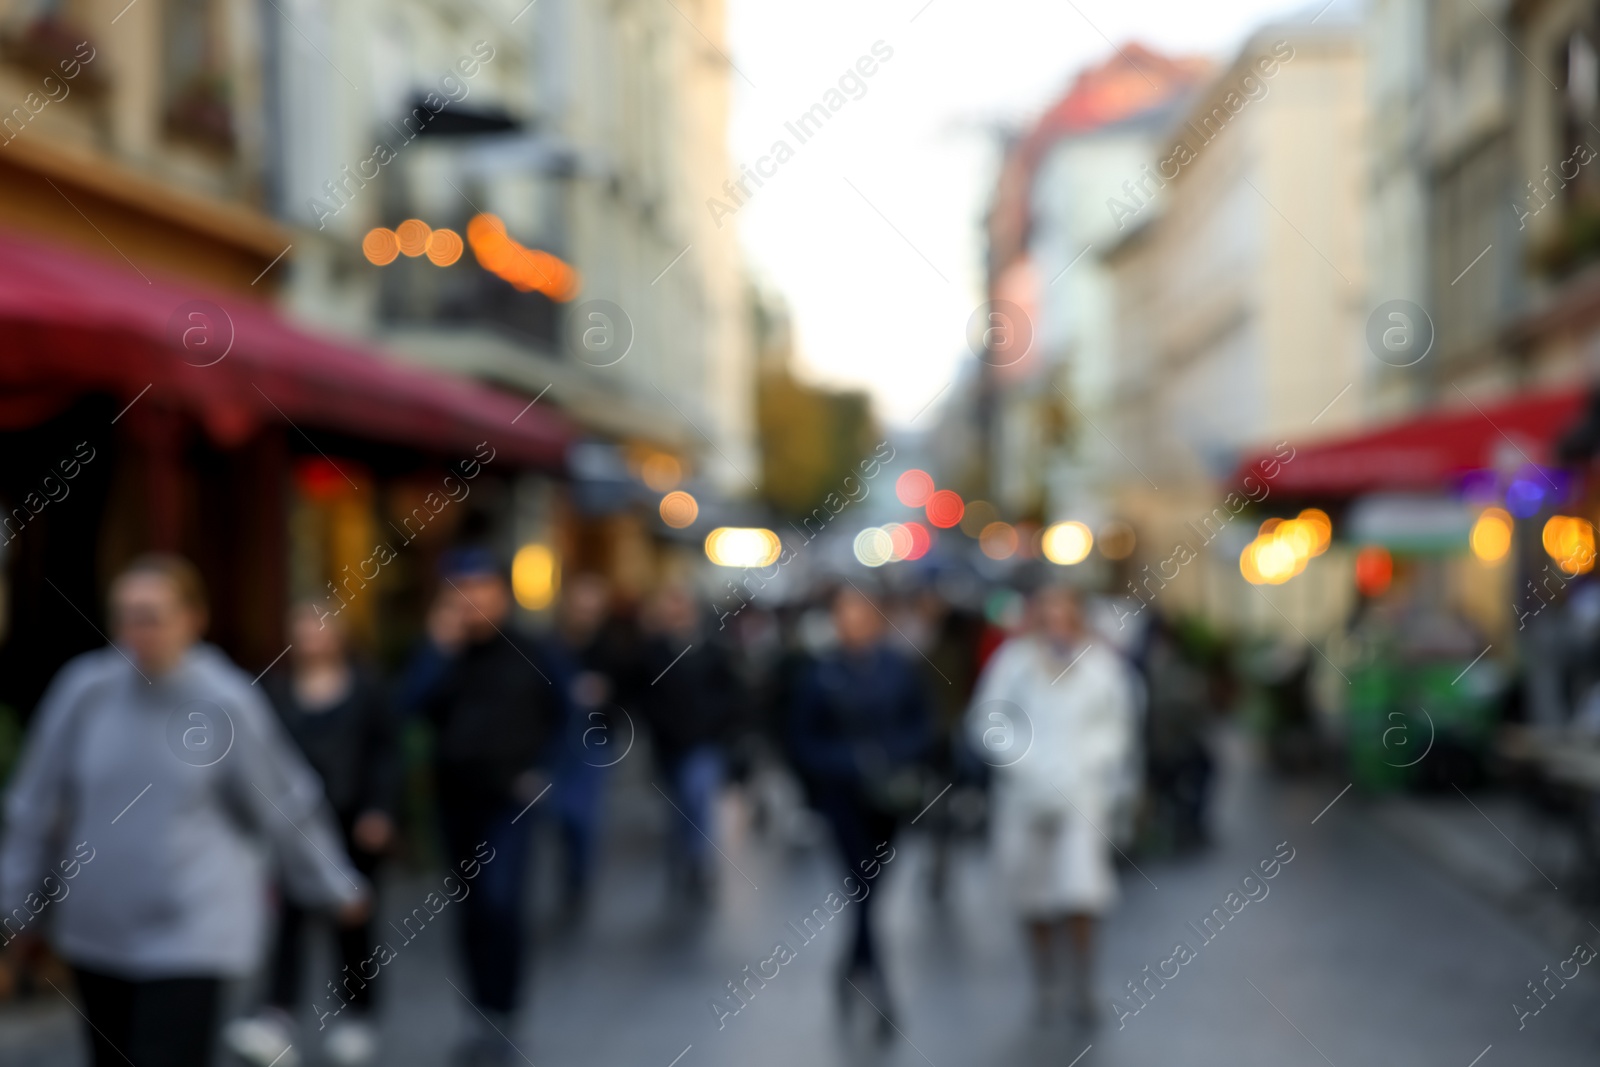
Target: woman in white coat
1054	714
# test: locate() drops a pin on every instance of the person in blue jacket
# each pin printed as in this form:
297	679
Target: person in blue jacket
860	724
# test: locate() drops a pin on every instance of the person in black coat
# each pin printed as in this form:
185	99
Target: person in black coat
337	712
860	724
497	701
689	695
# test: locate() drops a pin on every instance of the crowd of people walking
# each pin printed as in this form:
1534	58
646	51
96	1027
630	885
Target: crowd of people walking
174	766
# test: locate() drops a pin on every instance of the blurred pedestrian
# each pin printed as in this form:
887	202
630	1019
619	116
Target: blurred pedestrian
1177	738
859	727
948	637
155	762
338	714
598	650
689	695
1069	703
495	708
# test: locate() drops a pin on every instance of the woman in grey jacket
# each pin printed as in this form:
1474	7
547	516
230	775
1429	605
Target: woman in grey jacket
151	771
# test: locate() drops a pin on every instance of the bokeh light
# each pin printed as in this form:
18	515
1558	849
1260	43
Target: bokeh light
444	247
978	514
1319	522
944	508
921	540
534	576
380	246
1374	570
1117	540
1066	543
1570	542
900	541
913	488
413	237
743	546
998	540
873	547
679	509
661	472
1491	535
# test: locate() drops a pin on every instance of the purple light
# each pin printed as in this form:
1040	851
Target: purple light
1524	498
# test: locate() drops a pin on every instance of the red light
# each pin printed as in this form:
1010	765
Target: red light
1374	570
914	487
945	508
921	540
319	478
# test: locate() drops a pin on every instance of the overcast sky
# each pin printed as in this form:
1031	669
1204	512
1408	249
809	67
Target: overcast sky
870	231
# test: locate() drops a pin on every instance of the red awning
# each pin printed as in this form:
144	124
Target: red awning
1428	451
71	324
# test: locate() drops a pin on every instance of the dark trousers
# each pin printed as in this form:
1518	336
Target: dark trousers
355	946
858	830
491	914
164	1022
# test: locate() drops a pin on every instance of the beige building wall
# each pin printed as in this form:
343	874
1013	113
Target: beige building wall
1240	317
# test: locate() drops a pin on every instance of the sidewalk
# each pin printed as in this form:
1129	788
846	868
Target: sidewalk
1517	858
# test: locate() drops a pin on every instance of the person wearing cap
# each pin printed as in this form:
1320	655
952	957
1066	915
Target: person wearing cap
496	701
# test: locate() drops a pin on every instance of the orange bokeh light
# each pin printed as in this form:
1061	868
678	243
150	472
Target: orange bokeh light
444	247
380	246
527	269
413	237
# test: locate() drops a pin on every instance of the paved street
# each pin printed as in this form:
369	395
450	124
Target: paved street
1362	952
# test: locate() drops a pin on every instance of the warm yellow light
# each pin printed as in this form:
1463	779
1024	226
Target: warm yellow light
1067	543
1491	535
661	472
534	576
737	546
1276	560
1247	564
679	509
1321	525
1298	536
1570	542
873	547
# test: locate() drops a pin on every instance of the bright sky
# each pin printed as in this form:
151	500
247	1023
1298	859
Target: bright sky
916	154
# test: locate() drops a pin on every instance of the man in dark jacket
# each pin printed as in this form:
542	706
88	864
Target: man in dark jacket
859	725
689	694
496	703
